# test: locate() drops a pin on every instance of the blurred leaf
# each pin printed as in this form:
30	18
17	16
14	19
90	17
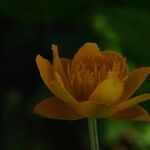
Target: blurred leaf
133	27
115	129
136	133
105	32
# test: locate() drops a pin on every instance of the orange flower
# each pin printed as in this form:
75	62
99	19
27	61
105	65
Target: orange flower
92	84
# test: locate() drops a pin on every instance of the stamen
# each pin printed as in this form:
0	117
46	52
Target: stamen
99	75
72	82
91	75
85	76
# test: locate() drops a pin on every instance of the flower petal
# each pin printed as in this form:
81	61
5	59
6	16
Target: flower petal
88	53
53	81
134	80
130	103
61	92
133	113
56	109
116	63
85	108
46	69
65	64
108	91
57	64
92	109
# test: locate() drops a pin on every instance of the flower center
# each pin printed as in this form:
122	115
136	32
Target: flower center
83	80
88	73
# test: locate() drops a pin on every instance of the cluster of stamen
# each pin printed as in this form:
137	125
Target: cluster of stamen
83	80
86	75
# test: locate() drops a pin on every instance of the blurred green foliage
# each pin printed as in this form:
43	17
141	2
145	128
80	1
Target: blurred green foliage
30	27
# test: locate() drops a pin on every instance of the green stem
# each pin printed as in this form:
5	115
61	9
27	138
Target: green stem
93	134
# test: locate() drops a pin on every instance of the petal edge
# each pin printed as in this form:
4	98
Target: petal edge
136	113
56	109
45	69
134	80
108	91
130	103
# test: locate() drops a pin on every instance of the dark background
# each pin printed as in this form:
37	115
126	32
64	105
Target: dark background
30	27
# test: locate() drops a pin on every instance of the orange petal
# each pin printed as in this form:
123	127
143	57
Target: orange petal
133	113
58	89
103	111
130	103
89	51
65	64
116	61
134	80
92	109
108	91
46	69
57	64
56	109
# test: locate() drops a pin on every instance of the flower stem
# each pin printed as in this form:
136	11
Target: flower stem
93	134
